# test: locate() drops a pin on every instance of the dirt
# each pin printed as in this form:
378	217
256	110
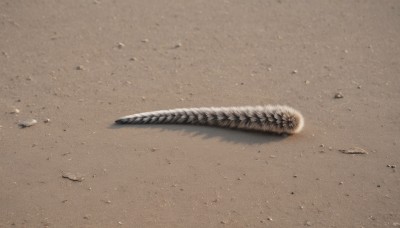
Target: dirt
84	64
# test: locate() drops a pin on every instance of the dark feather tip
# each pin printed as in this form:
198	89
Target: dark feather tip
119	121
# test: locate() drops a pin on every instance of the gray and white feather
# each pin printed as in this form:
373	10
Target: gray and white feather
271	118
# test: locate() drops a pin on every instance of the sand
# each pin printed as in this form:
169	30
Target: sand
82	64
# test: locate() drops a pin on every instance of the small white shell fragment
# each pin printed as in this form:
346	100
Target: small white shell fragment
27	123
354	150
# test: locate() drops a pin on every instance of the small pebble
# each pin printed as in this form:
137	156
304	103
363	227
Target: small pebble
307	82
46	120
80	67
133	59
178	45
338	95
73	177
120	223
120	45
27	123
15	111
295	71
307	223
341	183
391	166
145	40
269	219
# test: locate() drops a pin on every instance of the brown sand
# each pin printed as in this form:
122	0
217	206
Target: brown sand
82	64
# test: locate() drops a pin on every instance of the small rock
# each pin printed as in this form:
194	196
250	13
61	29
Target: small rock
391	166
5	54
120	223
341	183
269	219
120	45
308	223
145	40
178	45
359	87
15	111
338	95
153	149
295	71
307	82
46	120
73	177
133	59
80	67
27	123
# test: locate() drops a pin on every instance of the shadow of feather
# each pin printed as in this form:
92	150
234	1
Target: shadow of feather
207	132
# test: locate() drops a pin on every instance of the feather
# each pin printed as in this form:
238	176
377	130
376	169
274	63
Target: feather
271	118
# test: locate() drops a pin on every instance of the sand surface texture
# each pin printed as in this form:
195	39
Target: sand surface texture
76	66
